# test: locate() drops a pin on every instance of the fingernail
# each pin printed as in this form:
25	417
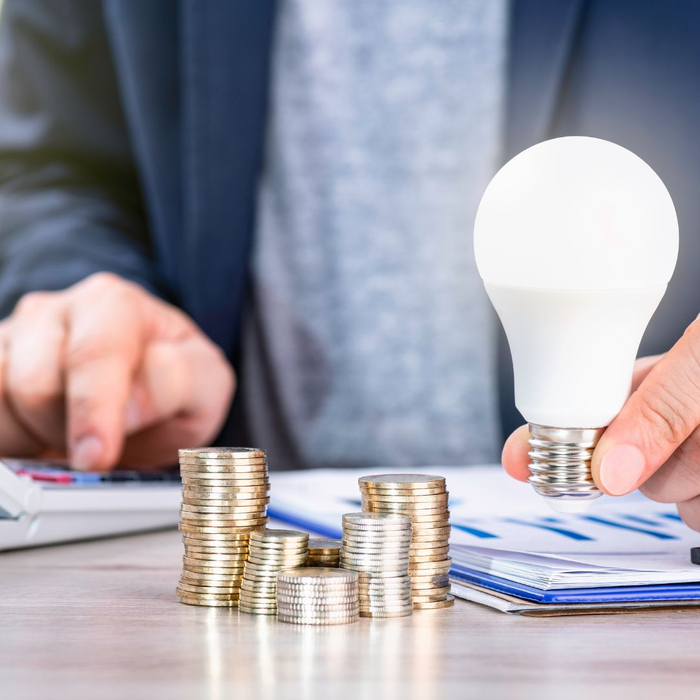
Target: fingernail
86	453
621	469
132	417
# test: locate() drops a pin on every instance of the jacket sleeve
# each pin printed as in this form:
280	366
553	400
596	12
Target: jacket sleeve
70	201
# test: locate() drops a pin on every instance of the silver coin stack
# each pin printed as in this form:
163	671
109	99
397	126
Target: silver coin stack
318	596
377	545
225	492
270	551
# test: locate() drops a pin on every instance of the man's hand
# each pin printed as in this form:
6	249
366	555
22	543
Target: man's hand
104	372
654	442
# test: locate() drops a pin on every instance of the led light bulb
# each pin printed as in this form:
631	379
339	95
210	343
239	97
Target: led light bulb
576	239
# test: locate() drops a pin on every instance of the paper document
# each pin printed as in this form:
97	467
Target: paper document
502	529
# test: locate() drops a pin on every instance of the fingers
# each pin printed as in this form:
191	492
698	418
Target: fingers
654	422
642	367
181	395
101	360
678	479
690	512
15	439
103	347
515	454
34	372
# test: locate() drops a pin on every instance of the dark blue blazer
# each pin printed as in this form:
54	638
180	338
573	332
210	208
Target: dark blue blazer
131	135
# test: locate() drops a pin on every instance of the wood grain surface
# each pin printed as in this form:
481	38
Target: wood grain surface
100	620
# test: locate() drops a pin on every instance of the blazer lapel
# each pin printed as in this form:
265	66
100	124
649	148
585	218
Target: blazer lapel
542	37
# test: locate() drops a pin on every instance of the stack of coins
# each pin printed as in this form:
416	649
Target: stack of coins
317	596
324	552
225	492
271	551
376	545
425	499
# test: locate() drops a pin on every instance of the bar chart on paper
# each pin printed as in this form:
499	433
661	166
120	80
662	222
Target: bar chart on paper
511	552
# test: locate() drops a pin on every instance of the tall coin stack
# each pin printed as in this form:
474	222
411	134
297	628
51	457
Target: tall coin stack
270	552
225	492
425	499
323	596
323	552
376	545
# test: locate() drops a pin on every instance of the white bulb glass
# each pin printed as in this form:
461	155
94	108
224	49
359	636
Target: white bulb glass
576	239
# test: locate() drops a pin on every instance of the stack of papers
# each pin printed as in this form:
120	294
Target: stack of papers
510	551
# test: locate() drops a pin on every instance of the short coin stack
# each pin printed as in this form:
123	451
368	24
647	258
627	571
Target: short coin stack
317	596
324	552
225	492
271	551
376	545
425	499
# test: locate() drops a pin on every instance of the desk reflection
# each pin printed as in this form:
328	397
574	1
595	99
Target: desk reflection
252	653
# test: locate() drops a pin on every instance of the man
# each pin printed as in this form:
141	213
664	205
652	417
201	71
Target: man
132	146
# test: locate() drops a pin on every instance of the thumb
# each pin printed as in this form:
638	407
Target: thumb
657	418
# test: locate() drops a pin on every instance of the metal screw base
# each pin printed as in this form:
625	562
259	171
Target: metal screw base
561	465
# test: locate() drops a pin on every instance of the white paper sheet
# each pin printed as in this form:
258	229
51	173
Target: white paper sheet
499	524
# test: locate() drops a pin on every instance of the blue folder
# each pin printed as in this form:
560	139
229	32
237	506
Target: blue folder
616	594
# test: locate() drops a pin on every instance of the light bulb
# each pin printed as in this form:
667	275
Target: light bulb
576	239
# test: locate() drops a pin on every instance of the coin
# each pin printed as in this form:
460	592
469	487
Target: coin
293	619
216	540
204	596
208	527
227	500
371	490
258	468
216	452
224	510
324	599
392	480
435	604
435	499
435	594
222	558
207	602
385	520
278	535
216	590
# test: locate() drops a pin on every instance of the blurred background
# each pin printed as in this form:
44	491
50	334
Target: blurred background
300	178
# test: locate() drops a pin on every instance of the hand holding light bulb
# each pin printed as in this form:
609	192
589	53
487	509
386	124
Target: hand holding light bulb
651	442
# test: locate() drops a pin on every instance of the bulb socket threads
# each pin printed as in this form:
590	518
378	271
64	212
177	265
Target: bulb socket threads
560	464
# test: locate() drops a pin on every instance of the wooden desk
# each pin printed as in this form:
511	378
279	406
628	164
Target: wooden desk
100	620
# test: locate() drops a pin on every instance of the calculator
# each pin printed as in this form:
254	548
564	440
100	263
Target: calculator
46	503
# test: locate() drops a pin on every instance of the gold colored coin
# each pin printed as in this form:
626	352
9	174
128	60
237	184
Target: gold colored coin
206	482
202	473
217	557
415	559
419	513
203	596
187	600
437	604
212	590
223	510
225	496
272	535
236	527
412	499
221	452
194	463
214	539
371	490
